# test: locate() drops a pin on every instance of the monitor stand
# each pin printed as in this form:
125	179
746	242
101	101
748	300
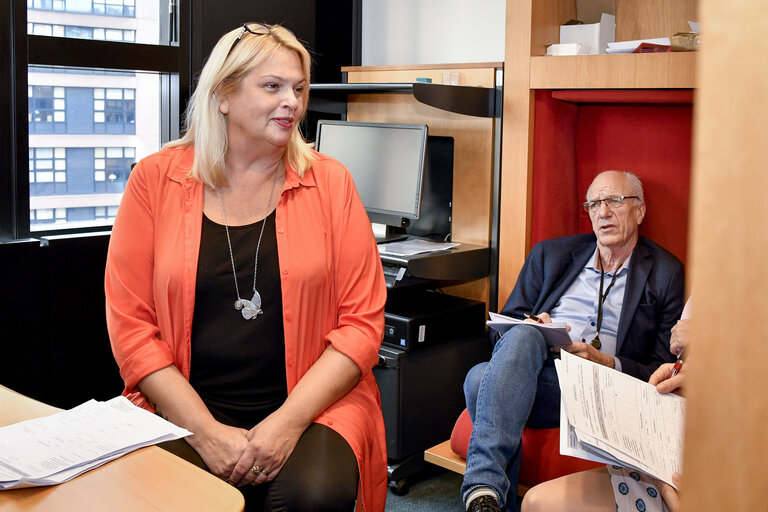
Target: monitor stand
385	234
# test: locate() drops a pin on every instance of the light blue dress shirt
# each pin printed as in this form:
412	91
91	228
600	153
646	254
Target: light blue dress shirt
578	306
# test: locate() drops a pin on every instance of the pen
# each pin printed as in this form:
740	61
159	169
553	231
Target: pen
678	363
534	317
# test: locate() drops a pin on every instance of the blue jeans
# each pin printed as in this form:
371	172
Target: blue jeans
517	387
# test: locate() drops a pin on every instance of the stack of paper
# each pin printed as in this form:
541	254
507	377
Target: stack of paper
414	246
54	449
614	418
630	46
555	334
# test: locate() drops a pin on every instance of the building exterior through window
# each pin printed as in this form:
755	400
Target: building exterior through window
87	127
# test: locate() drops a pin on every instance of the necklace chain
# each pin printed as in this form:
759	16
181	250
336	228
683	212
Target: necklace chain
249	309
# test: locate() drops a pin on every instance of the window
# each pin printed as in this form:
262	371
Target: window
90	113
47	171
123	8
114	7
48	216
47	109
111	167
77	32
114	110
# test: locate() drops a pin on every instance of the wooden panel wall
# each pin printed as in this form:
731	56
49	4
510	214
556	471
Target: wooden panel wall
726	434
638	19
473	144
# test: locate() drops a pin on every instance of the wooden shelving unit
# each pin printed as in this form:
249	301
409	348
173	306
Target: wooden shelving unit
530	27
469	113
674	70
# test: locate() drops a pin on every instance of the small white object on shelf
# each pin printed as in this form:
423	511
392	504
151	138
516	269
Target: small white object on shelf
596	36
568	49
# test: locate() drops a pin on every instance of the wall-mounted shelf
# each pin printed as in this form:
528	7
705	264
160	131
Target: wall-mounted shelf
460	99
674	70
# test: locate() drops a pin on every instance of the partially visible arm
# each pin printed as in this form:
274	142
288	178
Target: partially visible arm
525	294
665	382
145	359
679	339
219	445
669	299
669	493
129	283
587	351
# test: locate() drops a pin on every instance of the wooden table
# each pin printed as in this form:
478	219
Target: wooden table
149	479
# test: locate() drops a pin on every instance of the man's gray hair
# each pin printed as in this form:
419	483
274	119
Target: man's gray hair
635	185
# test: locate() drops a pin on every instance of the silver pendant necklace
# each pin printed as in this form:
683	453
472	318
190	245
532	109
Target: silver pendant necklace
250	309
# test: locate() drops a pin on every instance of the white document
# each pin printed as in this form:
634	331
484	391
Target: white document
631	46
414	246
618	418
56	448
555	334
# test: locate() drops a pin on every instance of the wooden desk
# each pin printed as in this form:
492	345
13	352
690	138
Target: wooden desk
147	479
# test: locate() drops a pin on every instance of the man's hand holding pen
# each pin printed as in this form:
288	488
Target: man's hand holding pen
541	318
667	380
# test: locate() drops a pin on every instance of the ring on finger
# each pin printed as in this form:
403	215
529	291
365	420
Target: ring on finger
256	470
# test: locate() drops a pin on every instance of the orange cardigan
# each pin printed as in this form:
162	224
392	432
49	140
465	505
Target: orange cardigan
332	286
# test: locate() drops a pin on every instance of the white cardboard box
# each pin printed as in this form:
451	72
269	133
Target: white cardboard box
595	36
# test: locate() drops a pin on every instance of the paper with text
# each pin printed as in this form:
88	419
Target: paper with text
555	334
56	448
414	246
622	418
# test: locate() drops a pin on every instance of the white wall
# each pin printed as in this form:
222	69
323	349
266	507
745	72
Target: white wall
402	32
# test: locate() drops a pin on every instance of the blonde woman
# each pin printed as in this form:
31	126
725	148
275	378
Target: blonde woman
245	297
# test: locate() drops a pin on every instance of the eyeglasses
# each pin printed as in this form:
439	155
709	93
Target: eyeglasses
245	29
610	201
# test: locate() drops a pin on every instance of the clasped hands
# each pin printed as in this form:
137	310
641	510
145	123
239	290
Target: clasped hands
247	457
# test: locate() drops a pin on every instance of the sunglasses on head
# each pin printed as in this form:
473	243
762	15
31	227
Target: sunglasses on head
248	29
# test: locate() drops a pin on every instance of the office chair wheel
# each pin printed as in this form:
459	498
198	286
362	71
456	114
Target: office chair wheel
399	487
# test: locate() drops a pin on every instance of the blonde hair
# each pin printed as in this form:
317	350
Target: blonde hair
229	62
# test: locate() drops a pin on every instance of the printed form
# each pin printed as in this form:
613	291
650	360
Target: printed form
56	448
614	418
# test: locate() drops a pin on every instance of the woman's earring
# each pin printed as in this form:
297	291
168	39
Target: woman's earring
224	108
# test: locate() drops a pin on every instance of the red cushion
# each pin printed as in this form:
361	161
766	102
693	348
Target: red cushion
541	452
460	435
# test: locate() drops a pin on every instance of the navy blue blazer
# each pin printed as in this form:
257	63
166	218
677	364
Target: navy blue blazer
653	296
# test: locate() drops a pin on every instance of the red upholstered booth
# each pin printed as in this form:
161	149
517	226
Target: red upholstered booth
577	134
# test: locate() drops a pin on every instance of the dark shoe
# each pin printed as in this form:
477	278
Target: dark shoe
484	503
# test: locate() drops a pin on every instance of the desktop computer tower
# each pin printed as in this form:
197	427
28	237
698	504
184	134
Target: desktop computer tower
436	191
421	391
415	319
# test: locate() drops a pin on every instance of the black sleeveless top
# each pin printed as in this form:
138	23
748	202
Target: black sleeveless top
238	365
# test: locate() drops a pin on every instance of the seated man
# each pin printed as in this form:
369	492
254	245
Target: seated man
620	295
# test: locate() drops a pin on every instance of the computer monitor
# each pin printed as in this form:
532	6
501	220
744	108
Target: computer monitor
386	162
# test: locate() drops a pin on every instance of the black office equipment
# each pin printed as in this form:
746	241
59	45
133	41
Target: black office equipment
436	212
421	396
387	164
465	262
424	318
